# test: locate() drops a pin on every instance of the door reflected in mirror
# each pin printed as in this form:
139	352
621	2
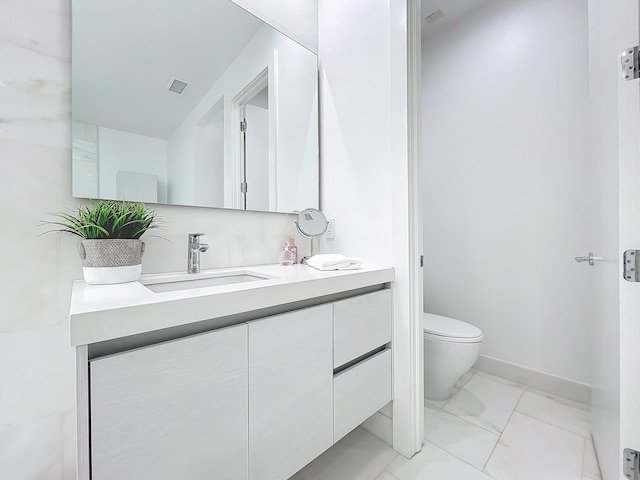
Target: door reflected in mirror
196	103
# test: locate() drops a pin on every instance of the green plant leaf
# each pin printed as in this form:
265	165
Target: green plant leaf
107	219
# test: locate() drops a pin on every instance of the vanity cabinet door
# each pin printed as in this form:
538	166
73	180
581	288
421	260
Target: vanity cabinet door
361	324
173	410
290	391
359	391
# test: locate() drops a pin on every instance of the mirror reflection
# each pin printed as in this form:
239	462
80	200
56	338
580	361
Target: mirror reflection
191	103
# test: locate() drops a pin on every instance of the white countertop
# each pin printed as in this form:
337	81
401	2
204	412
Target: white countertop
104	312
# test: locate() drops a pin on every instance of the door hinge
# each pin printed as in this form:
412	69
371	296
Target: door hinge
629	63
422	260
243	187
243	126
631	464
631	265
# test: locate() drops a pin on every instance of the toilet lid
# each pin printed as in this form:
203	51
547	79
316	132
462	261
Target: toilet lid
449	327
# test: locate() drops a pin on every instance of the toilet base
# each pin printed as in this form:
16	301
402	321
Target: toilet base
439	390
444	364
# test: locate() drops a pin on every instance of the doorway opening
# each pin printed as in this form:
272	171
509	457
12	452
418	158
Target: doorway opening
508	201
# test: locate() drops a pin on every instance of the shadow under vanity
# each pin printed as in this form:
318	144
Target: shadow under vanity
249	380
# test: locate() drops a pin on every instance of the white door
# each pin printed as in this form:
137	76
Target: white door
615	144
257	157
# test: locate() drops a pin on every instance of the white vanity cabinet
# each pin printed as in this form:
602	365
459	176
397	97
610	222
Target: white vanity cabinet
362	328
290	391
361	390
172	410
235	382
361	324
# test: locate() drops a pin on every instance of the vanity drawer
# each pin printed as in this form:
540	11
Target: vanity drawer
361	324
360	391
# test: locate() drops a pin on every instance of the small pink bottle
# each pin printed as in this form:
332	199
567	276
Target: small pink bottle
293	248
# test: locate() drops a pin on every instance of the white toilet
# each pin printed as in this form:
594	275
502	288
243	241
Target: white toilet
451	347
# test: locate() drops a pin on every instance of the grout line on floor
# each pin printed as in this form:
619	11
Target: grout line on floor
524	389
584	457
590	439
501	433
486	429
392	460
472	425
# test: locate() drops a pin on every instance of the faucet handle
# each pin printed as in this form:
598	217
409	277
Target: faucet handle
193	237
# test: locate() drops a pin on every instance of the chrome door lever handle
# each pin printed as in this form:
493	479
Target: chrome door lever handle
591	259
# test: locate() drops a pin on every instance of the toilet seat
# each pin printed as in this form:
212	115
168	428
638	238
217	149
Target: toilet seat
446	329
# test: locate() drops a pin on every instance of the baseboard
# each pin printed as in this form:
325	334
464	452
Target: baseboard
380	426
562	387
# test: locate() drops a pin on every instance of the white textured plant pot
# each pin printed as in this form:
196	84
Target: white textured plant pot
107	262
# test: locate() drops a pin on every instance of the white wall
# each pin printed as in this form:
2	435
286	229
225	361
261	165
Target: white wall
300	23
181	158
85	160
37	392
99	153
292	97
365	170
508	192
603	142
209	159
356	184
297	131
118	150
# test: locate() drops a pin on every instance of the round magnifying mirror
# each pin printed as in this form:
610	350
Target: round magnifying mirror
311	223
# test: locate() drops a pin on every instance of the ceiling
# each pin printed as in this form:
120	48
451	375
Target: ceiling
125	53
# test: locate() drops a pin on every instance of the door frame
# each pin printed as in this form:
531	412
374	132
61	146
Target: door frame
615	143
628	30
408	405
267	77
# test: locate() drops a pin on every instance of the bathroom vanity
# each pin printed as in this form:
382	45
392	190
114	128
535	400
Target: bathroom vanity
246	373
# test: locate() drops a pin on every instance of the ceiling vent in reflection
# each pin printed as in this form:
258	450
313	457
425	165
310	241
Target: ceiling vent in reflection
437	15
177	86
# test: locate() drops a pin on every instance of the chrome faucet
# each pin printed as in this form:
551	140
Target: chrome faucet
195	247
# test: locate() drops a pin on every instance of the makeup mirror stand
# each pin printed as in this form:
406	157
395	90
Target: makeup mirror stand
312	224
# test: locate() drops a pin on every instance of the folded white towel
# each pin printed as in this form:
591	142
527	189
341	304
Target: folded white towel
333	261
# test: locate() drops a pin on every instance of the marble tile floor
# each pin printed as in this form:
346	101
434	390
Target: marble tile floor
490	429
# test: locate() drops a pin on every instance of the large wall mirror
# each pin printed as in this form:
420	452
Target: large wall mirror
192	103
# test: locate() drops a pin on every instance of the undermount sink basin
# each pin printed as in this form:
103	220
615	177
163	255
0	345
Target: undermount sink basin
187	282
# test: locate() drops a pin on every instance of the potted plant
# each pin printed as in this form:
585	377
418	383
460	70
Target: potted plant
111	249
